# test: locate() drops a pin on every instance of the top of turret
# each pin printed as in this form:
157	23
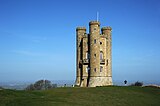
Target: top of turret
94	23
106	28
80	28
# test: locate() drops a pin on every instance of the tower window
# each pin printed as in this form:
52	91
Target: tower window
94	41
101	68
94	28
87	55
94	69
94	55
87	69
101	55
100	43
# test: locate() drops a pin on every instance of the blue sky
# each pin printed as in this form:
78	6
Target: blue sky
38	41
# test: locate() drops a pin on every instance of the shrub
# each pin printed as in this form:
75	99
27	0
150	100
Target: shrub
137	84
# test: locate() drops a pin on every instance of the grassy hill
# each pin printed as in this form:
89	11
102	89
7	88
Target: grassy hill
99	96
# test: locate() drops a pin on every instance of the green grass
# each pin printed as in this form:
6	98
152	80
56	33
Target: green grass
99	96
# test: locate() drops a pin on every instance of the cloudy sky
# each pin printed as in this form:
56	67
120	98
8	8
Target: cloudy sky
38	41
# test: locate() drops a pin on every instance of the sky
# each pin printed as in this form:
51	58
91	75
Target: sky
38	37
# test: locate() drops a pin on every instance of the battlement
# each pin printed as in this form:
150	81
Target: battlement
94	23
106	28
80	28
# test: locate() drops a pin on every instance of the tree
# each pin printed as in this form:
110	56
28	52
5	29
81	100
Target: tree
48	84
30	87
41	85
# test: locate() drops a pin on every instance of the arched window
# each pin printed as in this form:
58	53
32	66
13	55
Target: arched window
101	55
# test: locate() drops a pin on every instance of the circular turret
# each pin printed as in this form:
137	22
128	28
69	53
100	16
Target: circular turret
94	38
106	30
80	32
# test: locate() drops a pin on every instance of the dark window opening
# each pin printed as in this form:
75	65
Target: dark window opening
94	55
87	55
94	41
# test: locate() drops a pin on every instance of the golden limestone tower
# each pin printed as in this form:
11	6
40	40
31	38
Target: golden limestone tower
94	58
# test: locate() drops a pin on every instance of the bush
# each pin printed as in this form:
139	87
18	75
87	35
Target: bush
41	85
137	84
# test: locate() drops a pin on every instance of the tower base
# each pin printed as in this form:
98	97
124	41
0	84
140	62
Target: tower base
100	81
77	82
82	82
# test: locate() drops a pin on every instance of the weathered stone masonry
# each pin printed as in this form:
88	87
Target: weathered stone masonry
94	59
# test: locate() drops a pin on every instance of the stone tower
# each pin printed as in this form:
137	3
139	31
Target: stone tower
94	58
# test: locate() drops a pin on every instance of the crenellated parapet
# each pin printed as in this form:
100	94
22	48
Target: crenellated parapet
94	23
80	28
106	30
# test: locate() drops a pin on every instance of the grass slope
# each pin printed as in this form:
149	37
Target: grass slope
99	96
